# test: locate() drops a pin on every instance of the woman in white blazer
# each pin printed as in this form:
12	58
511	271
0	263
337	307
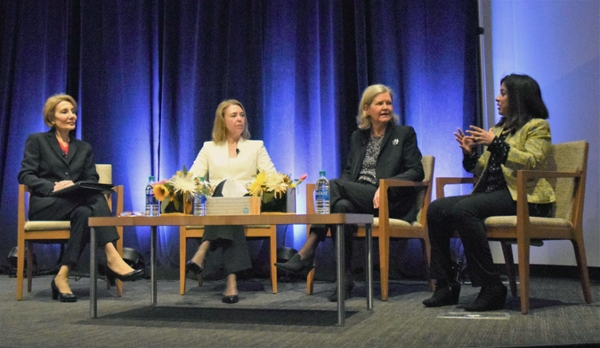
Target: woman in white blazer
229	156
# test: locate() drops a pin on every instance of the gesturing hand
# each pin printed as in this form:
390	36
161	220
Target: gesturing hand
466	143
480	136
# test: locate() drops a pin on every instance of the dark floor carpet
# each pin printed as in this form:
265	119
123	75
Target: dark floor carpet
558	317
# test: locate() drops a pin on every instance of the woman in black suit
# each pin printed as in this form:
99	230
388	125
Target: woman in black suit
380	149
52	161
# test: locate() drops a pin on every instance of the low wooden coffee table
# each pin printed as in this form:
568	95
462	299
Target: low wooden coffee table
339	220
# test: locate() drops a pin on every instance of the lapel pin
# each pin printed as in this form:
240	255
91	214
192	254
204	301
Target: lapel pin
395	142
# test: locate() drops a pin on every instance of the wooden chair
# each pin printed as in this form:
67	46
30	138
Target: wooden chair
385	227
566	171
31	232
253	231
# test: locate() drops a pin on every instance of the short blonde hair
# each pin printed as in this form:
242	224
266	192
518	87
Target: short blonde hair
50	107
219	133
369	94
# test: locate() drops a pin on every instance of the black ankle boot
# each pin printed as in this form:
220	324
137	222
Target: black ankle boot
349	286
445	294
490	298
296	264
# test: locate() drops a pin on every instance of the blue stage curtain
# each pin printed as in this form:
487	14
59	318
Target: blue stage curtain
148	76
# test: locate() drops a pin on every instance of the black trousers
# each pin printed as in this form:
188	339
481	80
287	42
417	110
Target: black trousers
228	243
78	210
347	197
466	215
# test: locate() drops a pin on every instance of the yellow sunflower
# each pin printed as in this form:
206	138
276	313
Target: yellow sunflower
256	188
160	191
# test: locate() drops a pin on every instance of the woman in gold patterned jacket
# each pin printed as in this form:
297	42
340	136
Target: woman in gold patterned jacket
520	140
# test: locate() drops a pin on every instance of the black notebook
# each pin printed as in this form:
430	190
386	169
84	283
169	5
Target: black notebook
83	188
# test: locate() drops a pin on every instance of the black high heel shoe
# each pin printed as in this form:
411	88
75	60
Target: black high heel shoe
133	275
197	270
230	299
62	297
297	265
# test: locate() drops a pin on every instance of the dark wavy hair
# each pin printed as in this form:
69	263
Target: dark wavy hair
524	102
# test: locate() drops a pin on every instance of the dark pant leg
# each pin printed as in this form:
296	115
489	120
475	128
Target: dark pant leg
78	210
105	234
469	215
348	197
236	256
80	235
440	226
229	242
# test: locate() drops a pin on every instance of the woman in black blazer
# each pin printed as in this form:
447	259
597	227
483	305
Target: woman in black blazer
54	160
380	149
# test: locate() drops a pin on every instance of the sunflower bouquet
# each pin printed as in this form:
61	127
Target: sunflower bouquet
177	193
272	188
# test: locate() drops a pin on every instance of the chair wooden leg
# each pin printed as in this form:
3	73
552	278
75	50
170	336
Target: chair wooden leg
29	266
119	288
426	247
524	252
384	266
310	281
273	257
510	267
182	259
120	251
579	249
20	267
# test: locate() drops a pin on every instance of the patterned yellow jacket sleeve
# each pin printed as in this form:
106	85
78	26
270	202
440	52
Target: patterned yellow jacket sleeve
529	147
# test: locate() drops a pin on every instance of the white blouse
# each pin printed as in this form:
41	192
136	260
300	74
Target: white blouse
213	162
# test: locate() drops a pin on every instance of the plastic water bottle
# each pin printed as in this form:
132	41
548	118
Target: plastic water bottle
200	201
151	201
322	194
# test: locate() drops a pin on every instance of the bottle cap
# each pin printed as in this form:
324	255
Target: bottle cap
322	173
151	178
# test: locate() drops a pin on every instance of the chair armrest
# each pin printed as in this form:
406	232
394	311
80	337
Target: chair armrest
115	200
440	183
310	204
533	174
119	192
524	175
384	185
402	183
